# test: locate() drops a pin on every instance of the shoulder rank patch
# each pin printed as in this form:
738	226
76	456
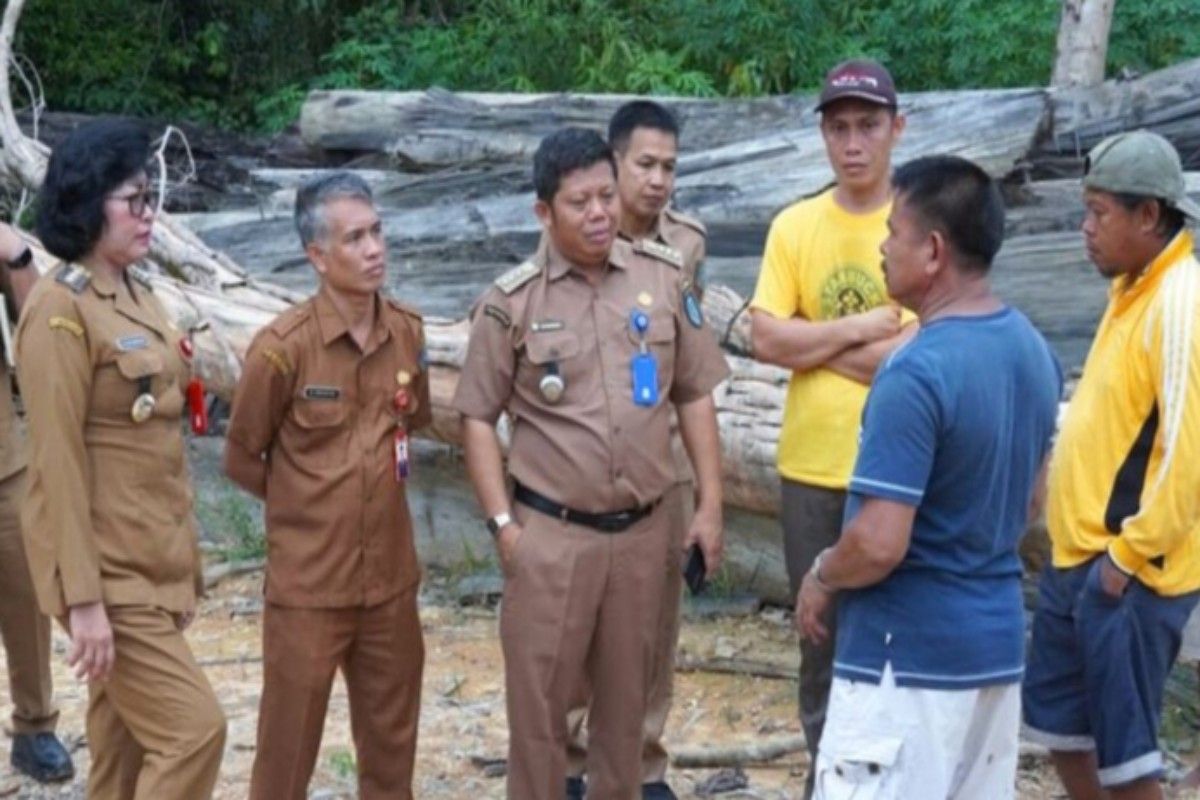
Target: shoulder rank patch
74	277
290	320
663	252
66	324
517	277
684	219
278	360
497	313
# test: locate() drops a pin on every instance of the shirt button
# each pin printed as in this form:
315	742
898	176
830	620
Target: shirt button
618	473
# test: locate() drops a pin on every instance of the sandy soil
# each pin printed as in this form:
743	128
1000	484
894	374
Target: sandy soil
463	714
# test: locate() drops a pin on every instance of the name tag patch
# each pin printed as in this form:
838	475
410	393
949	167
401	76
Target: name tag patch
128	343
322	392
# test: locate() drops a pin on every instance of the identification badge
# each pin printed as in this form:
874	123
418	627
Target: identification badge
400	454
645	379
197	410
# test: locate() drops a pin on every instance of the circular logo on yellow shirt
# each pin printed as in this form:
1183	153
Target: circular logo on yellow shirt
849	290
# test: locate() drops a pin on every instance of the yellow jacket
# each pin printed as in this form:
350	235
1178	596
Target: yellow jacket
1125	475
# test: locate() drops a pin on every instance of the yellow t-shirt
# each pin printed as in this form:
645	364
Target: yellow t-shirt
821	262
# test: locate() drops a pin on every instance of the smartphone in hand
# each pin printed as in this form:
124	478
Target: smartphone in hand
694	571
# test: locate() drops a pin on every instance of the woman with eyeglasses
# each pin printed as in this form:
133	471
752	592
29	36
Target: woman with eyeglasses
108	522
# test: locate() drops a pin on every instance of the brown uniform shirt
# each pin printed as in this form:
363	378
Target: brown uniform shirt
321	412
686	245
108	515
595	450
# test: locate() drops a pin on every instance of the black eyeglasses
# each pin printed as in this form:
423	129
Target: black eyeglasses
139	201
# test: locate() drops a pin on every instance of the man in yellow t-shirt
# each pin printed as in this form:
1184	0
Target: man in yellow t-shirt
821	310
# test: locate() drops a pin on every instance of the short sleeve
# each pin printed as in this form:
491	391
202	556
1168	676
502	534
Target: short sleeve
778	288
700	365
899	436
486	380
263	393
423	417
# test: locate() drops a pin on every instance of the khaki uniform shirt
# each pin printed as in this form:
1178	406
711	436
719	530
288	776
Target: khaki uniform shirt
595	450
12	433
686	245
320	410
108	515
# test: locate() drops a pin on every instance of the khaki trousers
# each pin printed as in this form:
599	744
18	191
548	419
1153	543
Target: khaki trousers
581	608
155	730
680	501
381	654
25	630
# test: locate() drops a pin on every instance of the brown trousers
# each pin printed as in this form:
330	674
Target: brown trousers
381	654
155	730
680	502
581	608
25	630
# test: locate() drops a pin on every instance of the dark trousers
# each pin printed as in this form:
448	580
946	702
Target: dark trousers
812	520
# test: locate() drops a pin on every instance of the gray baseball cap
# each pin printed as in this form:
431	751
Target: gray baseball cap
1139	163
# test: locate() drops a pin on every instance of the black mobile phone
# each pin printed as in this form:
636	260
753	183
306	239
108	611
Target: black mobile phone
694	571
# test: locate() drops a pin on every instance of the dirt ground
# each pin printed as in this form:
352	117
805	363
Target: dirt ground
463	716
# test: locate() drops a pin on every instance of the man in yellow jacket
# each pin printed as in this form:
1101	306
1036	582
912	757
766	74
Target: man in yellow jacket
1124	486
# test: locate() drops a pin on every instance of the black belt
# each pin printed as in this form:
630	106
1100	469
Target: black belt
612	522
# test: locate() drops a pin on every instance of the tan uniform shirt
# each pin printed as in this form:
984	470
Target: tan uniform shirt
12	432
108	515
321	411
595	450
686	240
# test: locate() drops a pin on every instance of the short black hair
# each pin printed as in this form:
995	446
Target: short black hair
960	200
1170	219
563	152
84	168
639	114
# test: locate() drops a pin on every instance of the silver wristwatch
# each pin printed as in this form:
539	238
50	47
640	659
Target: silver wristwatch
496	524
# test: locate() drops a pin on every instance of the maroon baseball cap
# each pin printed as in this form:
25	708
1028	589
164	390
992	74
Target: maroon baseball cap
859	78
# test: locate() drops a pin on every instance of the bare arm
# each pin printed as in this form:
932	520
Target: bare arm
698	427
802	345
17	282
248	470
872	545
860	363
485	465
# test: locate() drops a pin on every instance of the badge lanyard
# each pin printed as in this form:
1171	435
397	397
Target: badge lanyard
404	405
644	365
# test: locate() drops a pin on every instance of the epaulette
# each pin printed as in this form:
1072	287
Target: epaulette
74	277
142	277
517	277
683	219
404	308
290	320
663	252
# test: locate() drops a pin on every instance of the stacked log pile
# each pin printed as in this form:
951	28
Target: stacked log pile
451	176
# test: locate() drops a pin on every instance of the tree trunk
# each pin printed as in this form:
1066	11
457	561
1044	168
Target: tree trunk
1082	43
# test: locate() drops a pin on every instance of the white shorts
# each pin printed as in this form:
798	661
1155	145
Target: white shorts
895	743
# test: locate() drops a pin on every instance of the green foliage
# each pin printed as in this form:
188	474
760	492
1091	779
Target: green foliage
231	516
249	63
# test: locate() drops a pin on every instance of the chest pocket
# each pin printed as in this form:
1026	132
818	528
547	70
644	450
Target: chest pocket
660	341
545	351
319	433
117	383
